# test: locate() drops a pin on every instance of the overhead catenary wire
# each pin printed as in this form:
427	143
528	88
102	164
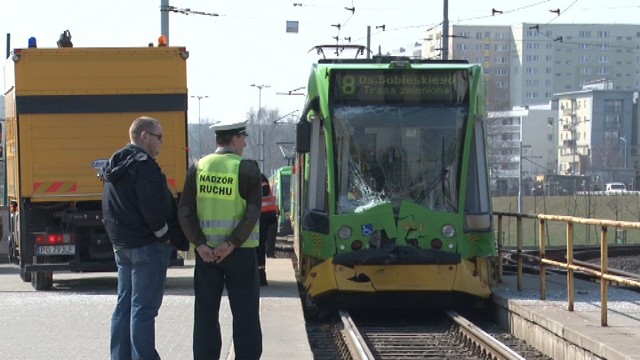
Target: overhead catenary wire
186	11
344	32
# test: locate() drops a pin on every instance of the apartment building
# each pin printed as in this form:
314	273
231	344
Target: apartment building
596	134
530	62
487	45
527	64
522	144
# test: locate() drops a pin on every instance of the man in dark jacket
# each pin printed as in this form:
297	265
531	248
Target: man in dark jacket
136	209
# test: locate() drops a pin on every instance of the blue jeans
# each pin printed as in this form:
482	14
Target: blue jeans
142	273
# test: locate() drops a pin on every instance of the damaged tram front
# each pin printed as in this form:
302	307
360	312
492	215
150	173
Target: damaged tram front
390	184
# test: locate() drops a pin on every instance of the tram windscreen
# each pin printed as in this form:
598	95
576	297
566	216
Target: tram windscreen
390	151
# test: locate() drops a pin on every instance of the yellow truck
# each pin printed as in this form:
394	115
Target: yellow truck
67	111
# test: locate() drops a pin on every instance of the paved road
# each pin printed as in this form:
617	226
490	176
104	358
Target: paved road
72	320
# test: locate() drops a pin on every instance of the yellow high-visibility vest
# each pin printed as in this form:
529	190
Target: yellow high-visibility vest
219	205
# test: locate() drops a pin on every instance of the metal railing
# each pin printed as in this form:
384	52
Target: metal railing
571	265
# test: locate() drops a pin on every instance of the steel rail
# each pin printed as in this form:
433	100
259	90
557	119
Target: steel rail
484	340
356	343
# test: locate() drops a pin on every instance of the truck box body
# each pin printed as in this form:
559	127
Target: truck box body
67	111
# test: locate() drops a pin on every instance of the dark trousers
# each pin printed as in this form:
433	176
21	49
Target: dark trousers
238	272
267	243
272	230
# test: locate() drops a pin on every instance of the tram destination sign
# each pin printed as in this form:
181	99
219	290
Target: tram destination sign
411	86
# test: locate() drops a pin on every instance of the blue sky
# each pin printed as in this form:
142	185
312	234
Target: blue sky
247	43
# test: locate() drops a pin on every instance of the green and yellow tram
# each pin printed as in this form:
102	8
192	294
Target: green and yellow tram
391	201
280	183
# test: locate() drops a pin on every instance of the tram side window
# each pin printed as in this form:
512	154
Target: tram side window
477	205
317	176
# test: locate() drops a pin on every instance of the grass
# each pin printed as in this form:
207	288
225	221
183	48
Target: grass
618	207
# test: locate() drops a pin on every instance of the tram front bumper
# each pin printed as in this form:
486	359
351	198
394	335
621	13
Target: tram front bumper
328	277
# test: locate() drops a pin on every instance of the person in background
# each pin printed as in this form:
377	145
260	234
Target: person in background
268	228
219	212
137	209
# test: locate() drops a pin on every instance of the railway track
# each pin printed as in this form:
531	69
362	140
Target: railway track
442	337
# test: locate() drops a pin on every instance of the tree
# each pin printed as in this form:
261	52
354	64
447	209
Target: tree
266	132
608	155
201	139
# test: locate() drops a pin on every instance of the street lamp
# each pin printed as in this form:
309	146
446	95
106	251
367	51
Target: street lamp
260	87
261	140
199	97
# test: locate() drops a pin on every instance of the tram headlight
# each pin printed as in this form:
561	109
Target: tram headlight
449	231
344	232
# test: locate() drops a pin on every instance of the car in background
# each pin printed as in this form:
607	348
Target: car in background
615	187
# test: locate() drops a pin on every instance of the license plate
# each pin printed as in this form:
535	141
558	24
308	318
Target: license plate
56	250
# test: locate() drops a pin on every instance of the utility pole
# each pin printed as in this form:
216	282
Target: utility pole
164	16
199	97
445	31
368	42
520	189
164	19
261	139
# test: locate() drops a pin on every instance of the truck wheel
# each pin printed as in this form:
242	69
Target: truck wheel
42	280
24	256
24	274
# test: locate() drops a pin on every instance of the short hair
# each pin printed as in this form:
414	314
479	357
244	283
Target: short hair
224	140
140	125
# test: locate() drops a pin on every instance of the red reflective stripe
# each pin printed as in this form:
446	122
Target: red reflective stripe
54	187
40	187
269	203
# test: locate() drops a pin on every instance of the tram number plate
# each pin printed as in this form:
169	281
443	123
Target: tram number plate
56	250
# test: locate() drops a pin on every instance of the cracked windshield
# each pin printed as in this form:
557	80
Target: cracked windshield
394	153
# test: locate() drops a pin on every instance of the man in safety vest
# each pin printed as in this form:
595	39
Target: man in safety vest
268	228
219	212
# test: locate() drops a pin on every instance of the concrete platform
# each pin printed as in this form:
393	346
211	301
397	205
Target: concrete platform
284	334
72	321
561	334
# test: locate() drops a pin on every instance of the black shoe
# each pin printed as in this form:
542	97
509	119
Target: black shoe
263	278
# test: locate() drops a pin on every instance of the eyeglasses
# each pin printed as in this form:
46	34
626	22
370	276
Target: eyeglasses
159	136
